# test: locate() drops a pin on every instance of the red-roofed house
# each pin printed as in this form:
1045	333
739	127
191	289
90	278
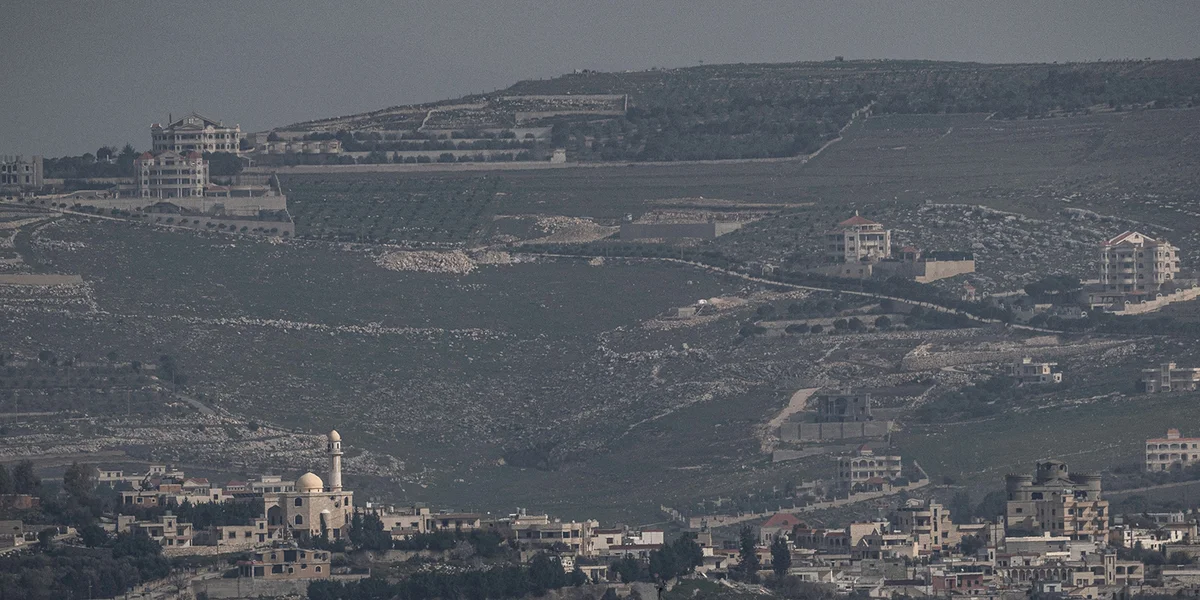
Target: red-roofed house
858	239
780	524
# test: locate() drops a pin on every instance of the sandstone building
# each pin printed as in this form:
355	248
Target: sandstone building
1135	263
1058	502
1172	452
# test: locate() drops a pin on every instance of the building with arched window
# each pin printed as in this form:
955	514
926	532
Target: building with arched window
195	133
315	508
864	468
1172	452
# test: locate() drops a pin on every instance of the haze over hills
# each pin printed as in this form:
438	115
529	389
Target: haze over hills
664	322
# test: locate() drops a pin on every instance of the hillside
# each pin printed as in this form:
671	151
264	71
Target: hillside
500	376
744	110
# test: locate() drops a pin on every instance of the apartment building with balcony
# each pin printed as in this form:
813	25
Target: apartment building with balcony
858	239
1169	377
169	174
195	133
1172	452
864	468
1133	264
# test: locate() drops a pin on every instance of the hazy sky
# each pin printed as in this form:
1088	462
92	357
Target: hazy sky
78	75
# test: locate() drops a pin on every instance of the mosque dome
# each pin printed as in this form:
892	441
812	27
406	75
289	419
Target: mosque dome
334	436
309	482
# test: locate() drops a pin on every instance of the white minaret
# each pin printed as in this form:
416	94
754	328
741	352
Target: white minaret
334	449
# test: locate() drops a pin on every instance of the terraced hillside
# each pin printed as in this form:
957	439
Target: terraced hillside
755	110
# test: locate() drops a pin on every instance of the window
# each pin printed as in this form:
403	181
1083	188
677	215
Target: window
299	520
299	501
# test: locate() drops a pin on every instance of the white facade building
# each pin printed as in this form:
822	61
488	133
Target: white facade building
858	239
170	175
1136	264
195	133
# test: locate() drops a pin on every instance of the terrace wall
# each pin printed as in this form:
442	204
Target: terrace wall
635	231
245	587
234	206
32	279
1153	305
826	432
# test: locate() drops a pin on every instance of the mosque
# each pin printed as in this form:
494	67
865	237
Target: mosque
315	508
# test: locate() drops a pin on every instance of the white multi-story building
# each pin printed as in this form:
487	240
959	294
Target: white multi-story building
1172	452
195	133
857	239
169	174
1136	264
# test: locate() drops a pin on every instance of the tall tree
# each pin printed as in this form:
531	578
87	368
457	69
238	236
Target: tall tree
748	554
545	573
6	482
25	480
79	481
781	556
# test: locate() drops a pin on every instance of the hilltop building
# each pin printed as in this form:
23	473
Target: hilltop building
859	248
1133	264
864	468
195	133
170	174
1169	378
1172	452
20	172
170	182
1138	274
315	508
858	239
841	406
1028	372
1058	502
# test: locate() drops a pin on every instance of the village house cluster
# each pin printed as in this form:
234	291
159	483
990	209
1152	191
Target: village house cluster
1056	536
